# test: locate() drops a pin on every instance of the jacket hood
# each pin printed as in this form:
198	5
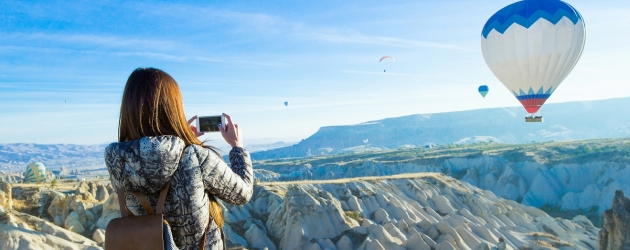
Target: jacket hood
144	165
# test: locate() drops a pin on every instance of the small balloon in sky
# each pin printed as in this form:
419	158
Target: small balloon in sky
286	104
483	90
365	141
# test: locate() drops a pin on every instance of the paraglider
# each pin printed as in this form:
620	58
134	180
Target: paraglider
286	104
386	57
483	90
531	46
35	172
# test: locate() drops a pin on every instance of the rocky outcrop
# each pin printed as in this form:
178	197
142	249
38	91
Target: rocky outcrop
615	233
10	177
307	213
19	238
567	186
93	191
421	211
64	171
111	210
6	199
50	176
23	231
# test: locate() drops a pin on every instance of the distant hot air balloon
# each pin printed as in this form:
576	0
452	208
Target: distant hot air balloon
385	57
531	46
35	172
286	104
483	90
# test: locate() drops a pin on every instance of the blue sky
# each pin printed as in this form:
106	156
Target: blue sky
63	65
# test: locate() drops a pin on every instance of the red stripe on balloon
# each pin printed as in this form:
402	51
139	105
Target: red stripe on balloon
533	105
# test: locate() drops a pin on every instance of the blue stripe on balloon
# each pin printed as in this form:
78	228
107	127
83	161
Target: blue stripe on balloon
536	96
527	12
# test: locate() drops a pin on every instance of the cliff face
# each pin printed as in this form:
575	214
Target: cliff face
414	211
567	186
615	235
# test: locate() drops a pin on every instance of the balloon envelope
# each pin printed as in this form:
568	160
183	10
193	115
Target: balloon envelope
286	103
35	172
531	46
483	90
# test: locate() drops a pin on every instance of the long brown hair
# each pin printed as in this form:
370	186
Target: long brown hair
151	106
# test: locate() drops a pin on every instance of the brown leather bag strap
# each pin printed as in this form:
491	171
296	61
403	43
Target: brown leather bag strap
144	202
124	211
162	199
122	202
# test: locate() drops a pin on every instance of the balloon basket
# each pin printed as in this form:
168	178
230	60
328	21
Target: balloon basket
533	118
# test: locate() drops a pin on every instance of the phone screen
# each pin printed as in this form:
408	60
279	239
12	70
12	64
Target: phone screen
209	123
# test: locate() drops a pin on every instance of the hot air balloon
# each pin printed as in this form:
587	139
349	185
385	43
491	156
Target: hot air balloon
531	46
385	57
286	104
35	172
483	90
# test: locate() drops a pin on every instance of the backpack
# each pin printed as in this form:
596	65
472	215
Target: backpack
149	231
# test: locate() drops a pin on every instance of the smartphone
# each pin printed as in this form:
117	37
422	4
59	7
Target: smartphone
209	123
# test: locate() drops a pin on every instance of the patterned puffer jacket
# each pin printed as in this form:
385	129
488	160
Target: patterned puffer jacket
145	165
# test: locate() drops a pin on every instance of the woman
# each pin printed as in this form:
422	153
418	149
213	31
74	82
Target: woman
156	145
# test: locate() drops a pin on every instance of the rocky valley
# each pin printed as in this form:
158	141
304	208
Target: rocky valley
411	211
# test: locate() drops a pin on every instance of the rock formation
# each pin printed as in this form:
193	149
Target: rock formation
576	186
24	231
421	211
10	177
64	171
6	198
615	234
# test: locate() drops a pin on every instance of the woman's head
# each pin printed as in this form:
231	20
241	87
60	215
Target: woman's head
152	105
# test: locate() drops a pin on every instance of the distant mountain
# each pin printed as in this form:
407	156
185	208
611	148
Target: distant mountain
15	156
563	121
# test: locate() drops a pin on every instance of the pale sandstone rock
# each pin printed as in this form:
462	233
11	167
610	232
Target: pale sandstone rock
73	223
24	226
99	236
371	244
615	233
111	210
232	237
13	238
314	246
345	243
257	238
47	227
416	242
6	199
381	216
483	246
445	245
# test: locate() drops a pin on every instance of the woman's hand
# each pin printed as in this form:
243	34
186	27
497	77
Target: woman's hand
231	133
193	128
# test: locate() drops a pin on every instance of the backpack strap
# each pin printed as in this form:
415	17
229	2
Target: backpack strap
124	211
163	192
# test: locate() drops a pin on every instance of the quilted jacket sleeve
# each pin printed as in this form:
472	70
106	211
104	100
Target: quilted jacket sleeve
233	184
